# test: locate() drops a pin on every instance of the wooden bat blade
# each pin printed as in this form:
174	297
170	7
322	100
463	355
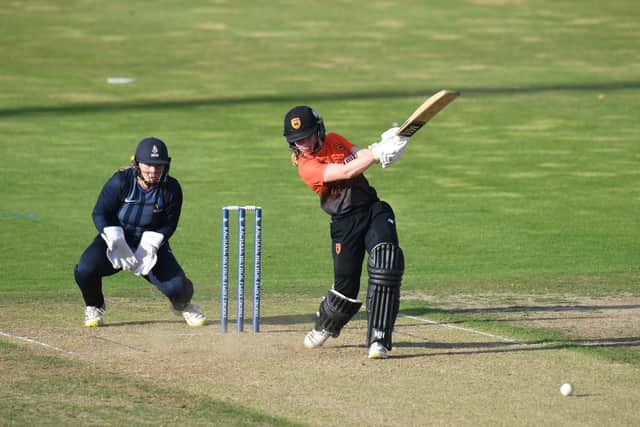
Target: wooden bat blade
426	112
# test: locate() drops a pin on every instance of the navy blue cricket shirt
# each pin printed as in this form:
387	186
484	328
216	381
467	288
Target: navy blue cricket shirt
122	202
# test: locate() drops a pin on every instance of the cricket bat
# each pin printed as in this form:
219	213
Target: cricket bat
426	112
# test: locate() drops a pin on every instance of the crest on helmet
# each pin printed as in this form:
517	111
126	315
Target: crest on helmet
296	123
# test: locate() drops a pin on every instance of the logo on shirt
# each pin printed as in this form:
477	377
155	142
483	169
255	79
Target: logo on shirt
296	123
338	248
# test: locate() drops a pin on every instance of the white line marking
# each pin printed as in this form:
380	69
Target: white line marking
460	328
32	341
119	343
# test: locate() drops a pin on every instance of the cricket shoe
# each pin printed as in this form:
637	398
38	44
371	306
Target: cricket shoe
192	315
93	316
316	338
378	351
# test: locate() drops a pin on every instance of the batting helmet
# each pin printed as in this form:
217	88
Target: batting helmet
301	122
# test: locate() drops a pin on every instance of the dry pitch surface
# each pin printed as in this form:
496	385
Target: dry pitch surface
438	375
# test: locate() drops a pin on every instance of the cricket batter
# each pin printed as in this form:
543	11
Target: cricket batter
333	168
136	214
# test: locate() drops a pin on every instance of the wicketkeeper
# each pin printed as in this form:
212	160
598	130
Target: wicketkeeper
136	214
333	168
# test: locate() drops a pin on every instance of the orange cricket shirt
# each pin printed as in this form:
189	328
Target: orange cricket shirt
338	197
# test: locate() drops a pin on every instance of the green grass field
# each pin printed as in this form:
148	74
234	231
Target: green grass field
529	184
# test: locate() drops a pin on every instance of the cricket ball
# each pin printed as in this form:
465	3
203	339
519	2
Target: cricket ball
567	389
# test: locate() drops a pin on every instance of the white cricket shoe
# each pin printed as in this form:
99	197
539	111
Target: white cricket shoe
93	316
192	315
316	338
378	351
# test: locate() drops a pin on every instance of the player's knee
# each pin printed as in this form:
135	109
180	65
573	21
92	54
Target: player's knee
179	291
84	272
386	265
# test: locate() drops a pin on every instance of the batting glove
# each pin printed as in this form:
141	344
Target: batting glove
146	254
390	148
118	251
390	135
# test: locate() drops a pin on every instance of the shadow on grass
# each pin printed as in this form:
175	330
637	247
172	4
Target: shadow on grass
294	319
300	319
543	308
522	345
476	348
426	311
458	348
160	104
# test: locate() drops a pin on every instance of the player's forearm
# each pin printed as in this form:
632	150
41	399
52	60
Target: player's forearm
167	230
336	171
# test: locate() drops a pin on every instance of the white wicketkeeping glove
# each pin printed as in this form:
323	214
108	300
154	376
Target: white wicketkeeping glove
118	251
146	254
390	148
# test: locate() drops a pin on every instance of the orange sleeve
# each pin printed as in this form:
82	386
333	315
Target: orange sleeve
311	168
312	172
338	140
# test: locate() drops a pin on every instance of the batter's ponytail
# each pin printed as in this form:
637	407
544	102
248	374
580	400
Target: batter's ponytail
295	154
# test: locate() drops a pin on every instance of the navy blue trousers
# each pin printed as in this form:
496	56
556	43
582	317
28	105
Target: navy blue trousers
166	275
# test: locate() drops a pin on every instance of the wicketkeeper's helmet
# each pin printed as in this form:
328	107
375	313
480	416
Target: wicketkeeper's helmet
152	151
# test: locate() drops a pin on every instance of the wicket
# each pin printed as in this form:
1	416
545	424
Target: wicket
257	262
